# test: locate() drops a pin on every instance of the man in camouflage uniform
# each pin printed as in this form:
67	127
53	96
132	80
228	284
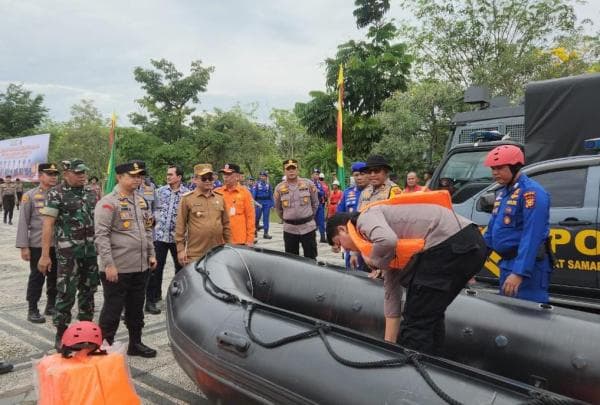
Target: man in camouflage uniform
8	195
69	214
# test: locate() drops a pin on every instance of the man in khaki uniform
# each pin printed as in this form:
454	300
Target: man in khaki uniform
296	202
202	221
8	195
123	239
29	240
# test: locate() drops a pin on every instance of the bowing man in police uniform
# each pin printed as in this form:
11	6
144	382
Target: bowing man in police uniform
518	229
29	240
296	202
123	224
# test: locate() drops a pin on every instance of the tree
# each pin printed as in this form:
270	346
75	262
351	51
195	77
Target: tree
416	124
20	112
375	68
169	98
499	43
84	136
290	135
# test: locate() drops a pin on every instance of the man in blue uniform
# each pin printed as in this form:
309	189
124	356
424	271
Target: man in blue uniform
349	203
320	215
262	192
518	229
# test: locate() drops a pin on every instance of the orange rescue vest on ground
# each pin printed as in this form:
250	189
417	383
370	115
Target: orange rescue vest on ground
82	379
405	248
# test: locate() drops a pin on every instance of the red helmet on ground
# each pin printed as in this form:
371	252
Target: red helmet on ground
505	155
81	334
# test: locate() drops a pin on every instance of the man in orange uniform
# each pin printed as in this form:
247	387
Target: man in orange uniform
239	206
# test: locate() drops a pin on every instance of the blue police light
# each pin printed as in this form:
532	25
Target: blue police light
486	136
592	144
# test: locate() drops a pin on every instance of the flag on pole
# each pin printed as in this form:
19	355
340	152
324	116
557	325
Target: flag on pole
111	179
340	149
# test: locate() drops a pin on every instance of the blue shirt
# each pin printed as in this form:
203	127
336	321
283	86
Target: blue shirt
167	203
349	201
262	192
520	221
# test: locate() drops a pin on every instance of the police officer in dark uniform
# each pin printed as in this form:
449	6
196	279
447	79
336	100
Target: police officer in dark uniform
518	229
123	229
29	240
322	196
262	192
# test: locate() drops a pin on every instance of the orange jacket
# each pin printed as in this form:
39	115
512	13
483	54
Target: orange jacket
240	207
82	379
405	248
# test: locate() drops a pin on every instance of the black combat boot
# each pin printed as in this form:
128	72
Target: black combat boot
49	311
34	316
5	367
59	333
136	347
267	236
151	308
323	239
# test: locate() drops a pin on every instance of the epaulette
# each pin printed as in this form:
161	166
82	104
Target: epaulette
218	191
188	193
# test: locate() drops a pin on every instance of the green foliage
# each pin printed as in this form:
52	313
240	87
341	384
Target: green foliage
290	136
84	136
370	11
169	96
502	44
20	112
374	69
416	125
318	116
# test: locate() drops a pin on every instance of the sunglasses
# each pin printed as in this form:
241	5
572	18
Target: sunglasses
374	170
204	178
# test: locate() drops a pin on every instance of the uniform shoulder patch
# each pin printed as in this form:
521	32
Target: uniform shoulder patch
529	199
25	198
108	207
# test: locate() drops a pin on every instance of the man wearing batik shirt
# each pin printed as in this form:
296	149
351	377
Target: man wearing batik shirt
165	215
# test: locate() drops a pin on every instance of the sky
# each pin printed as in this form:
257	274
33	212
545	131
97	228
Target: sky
268	52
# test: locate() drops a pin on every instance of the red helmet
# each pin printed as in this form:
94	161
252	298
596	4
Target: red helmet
80	334
504	155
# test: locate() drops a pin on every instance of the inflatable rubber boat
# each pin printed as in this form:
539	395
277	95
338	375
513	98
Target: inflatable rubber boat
258	326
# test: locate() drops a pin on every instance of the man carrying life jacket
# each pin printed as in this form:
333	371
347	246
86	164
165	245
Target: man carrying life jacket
423	245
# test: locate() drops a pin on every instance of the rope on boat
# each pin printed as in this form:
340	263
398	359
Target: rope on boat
321	329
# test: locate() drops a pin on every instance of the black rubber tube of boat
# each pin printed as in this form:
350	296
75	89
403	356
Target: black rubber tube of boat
321	329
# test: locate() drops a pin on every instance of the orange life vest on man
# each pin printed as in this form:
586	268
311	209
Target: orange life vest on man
405	248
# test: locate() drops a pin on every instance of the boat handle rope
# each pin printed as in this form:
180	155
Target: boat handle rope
321	329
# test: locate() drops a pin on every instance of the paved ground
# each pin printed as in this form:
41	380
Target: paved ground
157	381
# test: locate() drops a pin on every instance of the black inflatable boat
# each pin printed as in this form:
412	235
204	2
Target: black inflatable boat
250	325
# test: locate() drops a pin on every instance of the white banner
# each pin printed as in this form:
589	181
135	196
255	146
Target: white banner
19	157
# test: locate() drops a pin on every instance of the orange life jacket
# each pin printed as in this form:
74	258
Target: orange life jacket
82	379
405	248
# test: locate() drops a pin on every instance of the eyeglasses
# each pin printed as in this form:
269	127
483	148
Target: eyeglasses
205	178
374	170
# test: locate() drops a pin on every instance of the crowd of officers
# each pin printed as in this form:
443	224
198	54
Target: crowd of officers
74	239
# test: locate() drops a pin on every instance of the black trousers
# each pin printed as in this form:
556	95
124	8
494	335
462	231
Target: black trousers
8	203
35	283
19	196
308	240
440	275
162	249
129	293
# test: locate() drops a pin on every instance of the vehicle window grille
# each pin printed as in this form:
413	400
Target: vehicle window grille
516	132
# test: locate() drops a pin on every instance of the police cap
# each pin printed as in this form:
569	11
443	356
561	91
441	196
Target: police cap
290	163
137	167
358	166
203	168
48	168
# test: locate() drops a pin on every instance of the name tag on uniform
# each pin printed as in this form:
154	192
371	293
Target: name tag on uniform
232	211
